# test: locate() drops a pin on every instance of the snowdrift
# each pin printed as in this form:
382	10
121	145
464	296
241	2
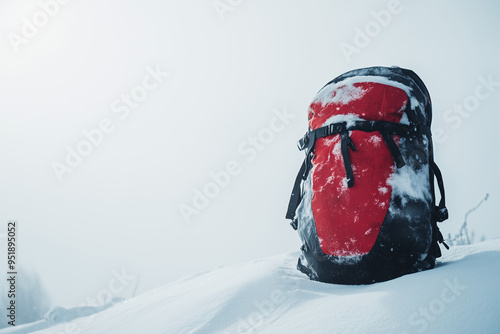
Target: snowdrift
270	296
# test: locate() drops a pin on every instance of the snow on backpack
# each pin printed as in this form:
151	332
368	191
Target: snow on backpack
363	202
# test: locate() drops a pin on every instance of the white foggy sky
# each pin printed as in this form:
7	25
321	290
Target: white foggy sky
119	208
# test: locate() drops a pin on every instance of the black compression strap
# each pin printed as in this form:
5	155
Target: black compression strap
345	143
367	126
441	212
296	197
439	178
393	148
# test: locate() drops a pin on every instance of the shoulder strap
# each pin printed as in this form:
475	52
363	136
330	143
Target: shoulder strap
296	197
440	212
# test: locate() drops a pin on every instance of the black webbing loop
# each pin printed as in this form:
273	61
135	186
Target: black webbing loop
393	148
345	143
296	196
307	160
441	239
440	211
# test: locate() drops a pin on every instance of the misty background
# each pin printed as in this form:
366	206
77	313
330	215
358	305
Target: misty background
232	66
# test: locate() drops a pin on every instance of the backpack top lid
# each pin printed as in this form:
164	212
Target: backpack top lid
355	84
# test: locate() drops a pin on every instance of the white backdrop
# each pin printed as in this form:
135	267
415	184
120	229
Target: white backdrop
182	89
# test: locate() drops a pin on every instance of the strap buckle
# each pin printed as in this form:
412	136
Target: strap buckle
302	143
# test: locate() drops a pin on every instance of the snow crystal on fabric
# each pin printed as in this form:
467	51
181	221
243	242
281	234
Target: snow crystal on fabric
410	183
346	258
404	119
339	94
305	209
375	139
306	225
325	95
350	119
383	190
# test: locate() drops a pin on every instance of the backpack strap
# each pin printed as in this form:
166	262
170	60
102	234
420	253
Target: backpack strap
345	144
440	212
393	148
386	130
307	143
296	197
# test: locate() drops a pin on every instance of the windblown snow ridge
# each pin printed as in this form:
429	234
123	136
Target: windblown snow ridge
270	296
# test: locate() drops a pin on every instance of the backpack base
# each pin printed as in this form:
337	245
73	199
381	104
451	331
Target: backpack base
369	269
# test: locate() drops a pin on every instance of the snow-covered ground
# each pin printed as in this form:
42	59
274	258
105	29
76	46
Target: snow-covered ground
228	92
460	295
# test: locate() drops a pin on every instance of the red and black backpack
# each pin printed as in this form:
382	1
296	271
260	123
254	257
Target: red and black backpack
363	202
